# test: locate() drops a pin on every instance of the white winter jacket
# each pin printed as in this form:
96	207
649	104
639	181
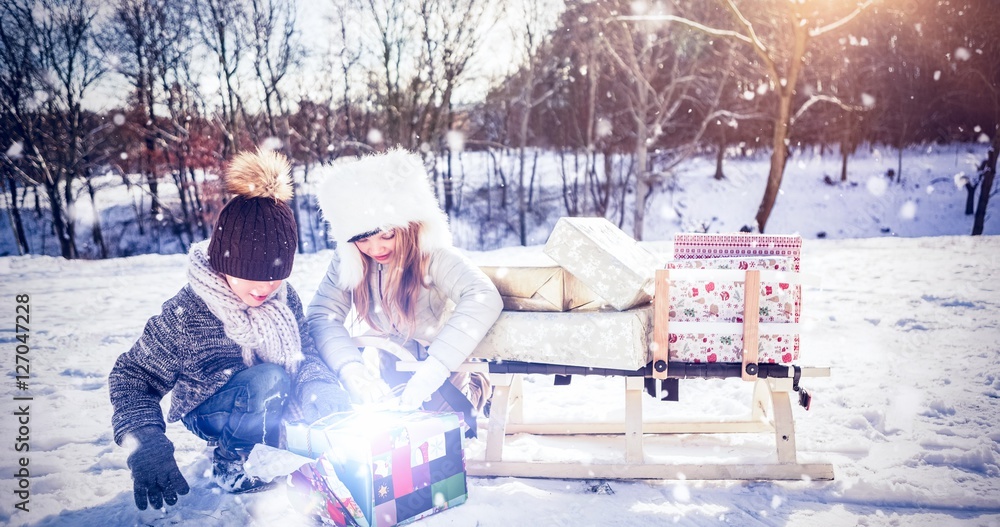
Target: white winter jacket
452	315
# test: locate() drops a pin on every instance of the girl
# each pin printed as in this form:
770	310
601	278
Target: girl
395	265
231	345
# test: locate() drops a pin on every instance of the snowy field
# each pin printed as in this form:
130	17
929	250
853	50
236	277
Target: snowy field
910	325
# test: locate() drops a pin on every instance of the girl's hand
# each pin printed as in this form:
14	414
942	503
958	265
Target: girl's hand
428	377
363	385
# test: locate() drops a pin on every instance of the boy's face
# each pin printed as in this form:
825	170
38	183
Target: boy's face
251	292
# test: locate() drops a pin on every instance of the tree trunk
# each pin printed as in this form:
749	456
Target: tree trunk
719	156
15	219
899	164
642	188
970	198
843	164
449	191
55	206
96	233
521	202
779	155
985	188
531	182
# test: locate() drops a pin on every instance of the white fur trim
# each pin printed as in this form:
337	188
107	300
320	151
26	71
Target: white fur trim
381	191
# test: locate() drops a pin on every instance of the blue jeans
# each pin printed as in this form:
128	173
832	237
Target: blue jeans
246	411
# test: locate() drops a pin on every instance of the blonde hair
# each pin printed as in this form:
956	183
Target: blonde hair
400	287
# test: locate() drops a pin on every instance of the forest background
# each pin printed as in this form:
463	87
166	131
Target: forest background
151	98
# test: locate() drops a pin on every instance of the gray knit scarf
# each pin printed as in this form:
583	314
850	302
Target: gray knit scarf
267	333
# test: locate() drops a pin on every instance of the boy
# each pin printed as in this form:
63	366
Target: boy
232	345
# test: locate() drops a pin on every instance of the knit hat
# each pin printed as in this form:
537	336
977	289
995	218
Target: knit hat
379	192
255	236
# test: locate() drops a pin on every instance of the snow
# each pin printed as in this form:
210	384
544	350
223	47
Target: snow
908	323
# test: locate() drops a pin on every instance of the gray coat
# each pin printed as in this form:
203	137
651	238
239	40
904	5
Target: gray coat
452	315
185	349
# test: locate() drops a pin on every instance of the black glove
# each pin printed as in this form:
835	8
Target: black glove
320	399
155	475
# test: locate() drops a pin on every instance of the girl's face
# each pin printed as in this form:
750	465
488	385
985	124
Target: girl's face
379	247
250	292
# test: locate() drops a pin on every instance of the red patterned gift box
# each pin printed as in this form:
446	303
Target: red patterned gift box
394	467
702	331
706	314
695	245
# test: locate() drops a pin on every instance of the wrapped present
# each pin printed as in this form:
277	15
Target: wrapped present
707	310
744	245
382	468
712	300
606	259
540	288
604	338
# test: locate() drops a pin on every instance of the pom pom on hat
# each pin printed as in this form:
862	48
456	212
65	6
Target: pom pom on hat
261	174
379	192
255	237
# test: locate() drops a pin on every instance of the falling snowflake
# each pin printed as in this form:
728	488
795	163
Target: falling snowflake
456	141
271	143
602	128
908	211
877	185
14	152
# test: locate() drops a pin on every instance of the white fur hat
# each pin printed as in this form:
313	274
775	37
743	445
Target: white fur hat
379	192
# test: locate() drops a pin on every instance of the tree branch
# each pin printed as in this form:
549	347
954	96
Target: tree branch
847	18
824	98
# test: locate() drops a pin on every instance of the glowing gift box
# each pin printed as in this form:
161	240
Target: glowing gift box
381	468
607	260
540	288
707	310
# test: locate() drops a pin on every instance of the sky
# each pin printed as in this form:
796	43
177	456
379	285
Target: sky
908	324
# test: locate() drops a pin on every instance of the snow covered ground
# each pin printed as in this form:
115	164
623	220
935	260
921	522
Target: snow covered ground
910	326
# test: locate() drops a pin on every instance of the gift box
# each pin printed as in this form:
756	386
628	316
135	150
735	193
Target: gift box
540	288
604	338
382	468
743	245
714	300
606	259
707	309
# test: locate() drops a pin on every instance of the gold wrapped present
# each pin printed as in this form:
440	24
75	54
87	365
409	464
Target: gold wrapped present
540	288
606	259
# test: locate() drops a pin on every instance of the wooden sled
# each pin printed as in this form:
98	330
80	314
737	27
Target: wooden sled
771	411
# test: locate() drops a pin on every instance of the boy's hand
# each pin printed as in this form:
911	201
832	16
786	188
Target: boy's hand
363	385
320	399
155	475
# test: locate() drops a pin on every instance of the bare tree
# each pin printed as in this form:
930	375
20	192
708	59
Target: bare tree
222	26
58	65
19	67
789	27
972	46
665	77
452	33
277	51
390	37
145	37
537	17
